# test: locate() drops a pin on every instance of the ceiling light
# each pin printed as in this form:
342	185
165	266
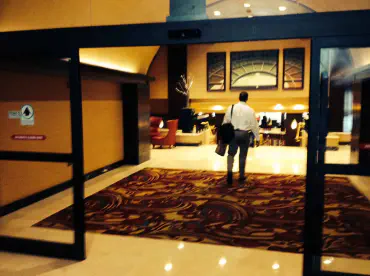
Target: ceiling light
298	107
181	246
275	266
217	108
282	8
217	13
250	16
278	107
222	262
168	267
247	5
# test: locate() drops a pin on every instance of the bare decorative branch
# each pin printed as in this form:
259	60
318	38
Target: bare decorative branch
184	84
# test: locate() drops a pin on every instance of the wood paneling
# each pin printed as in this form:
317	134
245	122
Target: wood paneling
159	106
49	95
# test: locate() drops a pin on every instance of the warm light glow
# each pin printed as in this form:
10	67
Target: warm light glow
295	168
216	165
222	262
294	124
200	113
217	108
181	246
275	266
298	107
107	65
328	261
278	107
250	16
213	114
276	168
168	267
217	13
161	125
282	8
258	74
305	116
247	5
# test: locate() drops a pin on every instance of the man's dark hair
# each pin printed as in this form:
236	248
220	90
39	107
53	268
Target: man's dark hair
243	97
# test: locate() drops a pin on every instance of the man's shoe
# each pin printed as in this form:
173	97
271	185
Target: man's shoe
243	179
229	179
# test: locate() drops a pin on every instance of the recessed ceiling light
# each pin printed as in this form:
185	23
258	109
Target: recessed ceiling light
217	13
217	107
275	266
247	5
298	107
278	107
282	8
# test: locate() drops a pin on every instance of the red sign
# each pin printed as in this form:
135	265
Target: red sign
28	137
365	146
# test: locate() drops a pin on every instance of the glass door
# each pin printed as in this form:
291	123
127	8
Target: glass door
337	240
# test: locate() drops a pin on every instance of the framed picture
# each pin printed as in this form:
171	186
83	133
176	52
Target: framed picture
216	71
254	70
294	68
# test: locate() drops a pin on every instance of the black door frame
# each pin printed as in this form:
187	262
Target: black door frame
70	40
75	250
316	166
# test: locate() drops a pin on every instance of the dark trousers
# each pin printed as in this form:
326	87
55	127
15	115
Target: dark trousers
241	142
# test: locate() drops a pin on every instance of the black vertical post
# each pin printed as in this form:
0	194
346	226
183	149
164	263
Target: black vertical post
177	66
312	231
78	156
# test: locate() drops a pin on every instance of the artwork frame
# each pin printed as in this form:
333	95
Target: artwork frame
216	72
294	57
254	61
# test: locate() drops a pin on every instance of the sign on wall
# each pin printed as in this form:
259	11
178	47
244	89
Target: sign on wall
26	115
28	137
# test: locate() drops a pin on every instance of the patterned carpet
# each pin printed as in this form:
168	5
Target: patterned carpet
196	206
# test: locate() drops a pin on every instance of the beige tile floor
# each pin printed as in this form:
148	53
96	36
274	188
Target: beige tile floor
118	255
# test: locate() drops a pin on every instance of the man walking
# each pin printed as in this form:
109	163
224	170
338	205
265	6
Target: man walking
243	118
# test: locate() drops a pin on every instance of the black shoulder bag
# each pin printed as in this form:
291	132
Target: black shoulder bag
227	132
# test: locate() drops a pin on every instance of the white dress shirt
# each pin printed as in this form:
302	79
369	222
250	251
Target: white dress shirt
244	118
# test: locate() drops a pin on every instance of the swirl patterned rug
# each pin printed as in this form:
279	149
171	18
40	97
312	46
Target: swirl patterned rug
196	206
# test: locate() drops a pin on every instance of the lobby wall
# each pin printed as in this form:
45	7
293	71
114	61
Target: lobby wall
201	100
49	96
159	88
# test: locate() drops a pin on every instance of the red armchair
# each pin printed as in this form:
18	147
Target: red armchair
170	138
154	126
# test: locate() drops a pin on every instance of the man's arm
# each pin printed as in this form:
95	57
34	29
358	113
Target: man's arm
255	127
227	117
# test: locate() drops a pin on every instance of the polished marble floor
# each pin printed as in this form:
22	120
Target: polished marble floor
117	255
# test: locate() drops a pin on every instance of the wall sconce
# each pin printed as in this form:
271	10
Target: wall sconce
213	114
161	125
294	124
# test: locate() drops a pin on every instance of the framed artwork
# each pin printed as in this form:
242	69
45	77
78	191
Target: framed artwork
254	70
294	68
216	71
